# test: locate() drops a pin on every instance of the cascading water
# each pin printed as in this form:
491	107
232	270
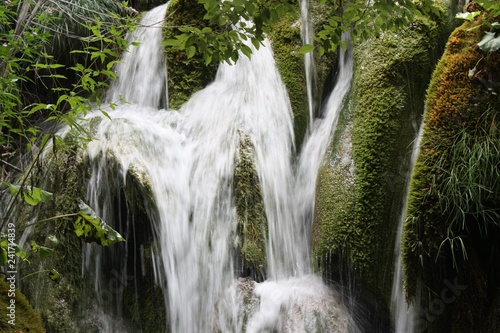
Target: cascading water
403	314
309	65
186	160
316	142
143	63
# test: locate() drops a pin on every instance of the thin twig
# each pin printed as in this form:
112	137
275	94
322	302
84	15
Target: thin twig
10	165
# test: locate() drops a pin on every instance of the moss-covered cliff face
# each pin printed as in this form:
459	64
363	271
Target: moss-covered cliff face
452	234
361	184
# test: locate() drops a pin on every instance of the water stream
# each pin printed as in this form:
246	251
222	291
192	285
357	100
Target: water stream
186	159
309	64
403	314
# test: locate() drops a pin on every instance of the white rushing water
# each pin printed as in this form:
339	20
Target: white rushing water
287	301
187	158
317	140
403	314
309	64
146	62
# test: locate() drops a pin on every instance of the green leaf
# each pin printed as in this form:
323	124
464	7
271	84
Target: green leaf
92	228
190	51
44	252
467	16
34	246
208	58
306	48
255	43
32	195
246	51
54	275
105	114
36	195
489	43
48	65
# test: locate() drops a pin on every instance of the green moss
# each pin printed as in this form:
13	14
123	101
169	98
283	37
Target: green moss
334	195
60	303
26	319
185	76
252	221
455	197
357	209
326	65
286	40
144	304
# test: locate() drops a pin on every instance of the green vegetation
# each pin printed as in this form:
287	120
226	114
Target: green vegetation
489	10
223	44
286	41
42	88
186	73
23	56
358	204
451	231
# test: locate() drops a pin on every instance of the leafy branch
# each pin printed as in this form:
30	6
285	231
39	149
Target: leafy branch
232	26
489	10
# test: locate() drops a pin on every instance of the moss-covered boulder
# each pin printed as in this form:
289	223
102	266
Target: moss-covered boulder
360	187
452	235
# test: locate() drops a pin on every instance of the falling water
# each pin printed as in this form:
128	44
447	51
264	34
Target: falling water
146	62
293	294
317	140
308	58
186	161
403	313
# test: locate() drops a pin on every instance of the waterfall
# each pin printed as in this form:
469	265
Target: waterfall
308	59
403	314
185	160
317	140
296	291
142	73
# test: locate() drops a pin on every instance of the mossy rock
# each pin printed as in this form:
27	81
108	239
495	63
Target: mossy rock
59	303
185	75
362	182
69	304
252	222
24	319
286	40
452	234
